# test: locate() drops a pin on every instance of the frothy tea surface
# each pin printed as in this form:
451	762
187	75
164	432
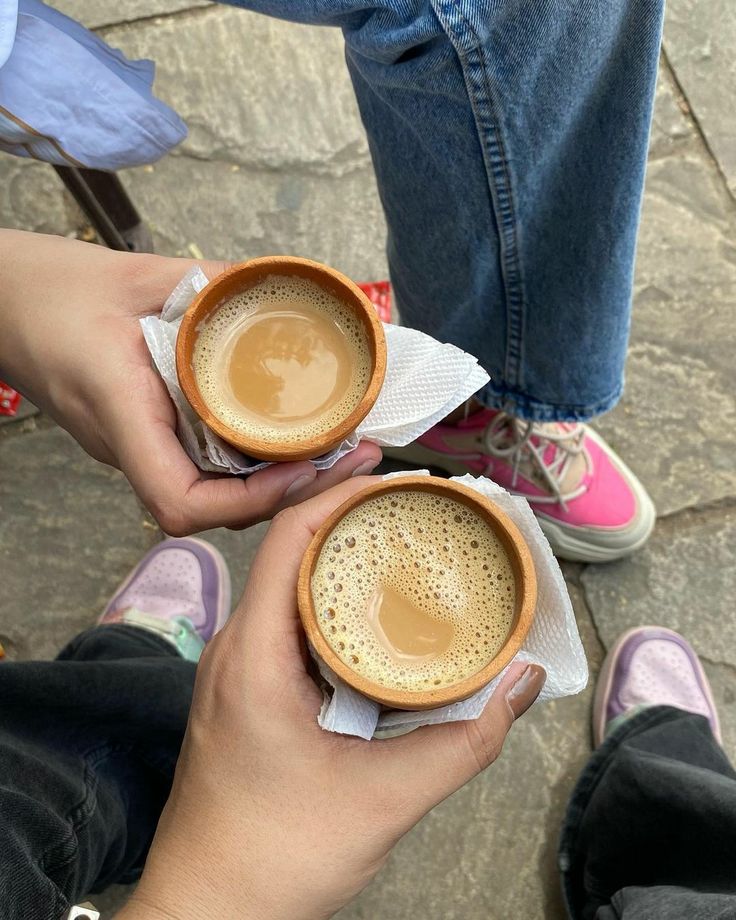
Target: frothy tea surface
413	591
282	360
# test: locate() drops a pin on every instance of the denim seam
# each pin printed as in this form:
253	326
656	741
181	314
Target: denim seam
78	817
483	104
57	902
526	407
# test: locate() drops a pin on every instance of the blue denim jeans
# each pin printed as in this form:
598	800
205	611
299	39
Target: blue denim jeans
509	140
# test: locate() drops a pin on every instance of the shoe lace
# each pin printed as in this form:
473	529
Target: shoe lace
510	438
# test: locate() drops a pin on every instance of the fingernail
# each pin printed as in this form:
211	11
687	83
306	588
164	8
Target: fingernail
299	483
365	468
526	689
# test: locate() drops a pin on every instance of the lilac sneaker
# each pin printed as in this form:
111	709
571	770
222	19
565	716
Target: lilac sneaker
650	666
179	590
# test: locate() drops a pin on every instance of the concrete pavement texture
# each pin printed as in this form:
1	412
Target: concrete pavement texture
246	184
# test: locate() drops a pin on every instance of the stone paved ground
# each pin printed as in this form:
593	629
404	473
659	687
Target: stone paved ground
246	184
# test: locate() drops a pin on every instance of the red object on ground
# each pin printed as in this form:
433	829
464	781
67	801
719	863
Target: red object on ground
9	399
379	293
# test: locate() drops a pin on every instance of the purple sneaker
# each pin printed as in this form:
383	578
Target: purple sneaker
179	590
651	666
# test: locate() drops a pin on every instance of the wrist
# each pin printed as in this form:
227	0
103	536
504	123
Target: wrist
209	893
15	275
135	909
141	908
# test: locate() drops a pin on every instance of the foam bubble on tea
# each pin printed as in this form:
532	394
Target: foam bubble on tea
282	360
414	591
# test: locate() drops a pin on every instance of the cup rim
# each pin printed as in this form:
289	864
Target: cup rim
526	595
224	286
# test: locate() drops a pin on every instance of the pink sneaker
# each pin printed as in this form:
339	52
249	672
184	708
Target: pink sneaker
650	666
180	590
589	504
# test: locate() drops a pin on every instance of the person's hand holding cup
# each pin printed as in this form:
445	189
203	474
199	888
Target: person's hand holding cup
270	816
72	343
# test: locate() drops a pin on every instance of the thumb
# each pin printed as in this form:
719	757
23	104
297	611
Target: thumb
159	275
213	267
175	491
445	757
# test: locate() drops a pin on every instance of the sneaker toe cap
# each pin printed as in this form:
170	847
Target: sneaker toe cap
614	500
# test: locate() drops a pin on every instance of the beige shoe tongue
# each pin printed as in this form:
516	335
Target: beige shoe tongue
576	467
467	442
574	475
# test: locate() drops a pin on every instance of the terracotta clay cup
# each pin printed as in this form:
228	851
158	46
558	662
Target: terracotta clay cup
526	594
243	276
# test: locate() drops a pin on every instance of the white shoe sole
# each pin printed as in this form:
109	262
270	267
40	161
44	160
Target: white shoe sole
574	543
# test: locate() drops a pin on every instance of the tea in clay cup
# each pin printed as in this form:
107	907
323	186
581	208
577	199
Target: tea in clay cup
417	592
282	357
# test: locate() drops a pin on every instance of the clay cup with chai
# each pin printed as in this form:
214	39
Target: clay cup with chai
282	357
417	592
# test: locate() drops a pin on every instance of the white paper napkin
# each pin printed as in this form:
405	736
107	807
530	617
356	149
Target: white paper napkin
553	641
425	380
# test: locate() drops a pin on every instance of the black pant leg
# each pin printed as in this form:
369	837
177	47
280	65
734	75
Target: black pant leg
667	902
650	830
88	746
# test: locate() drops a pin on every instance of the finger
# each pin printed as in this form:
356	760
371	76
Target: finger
265	626
268	610
183	502
439	759
158	276
360	462
172	487
213	267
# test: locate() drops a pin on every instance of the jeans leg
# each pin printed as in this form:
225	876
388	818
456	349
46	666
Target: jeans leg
88	746
509	141
650	829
